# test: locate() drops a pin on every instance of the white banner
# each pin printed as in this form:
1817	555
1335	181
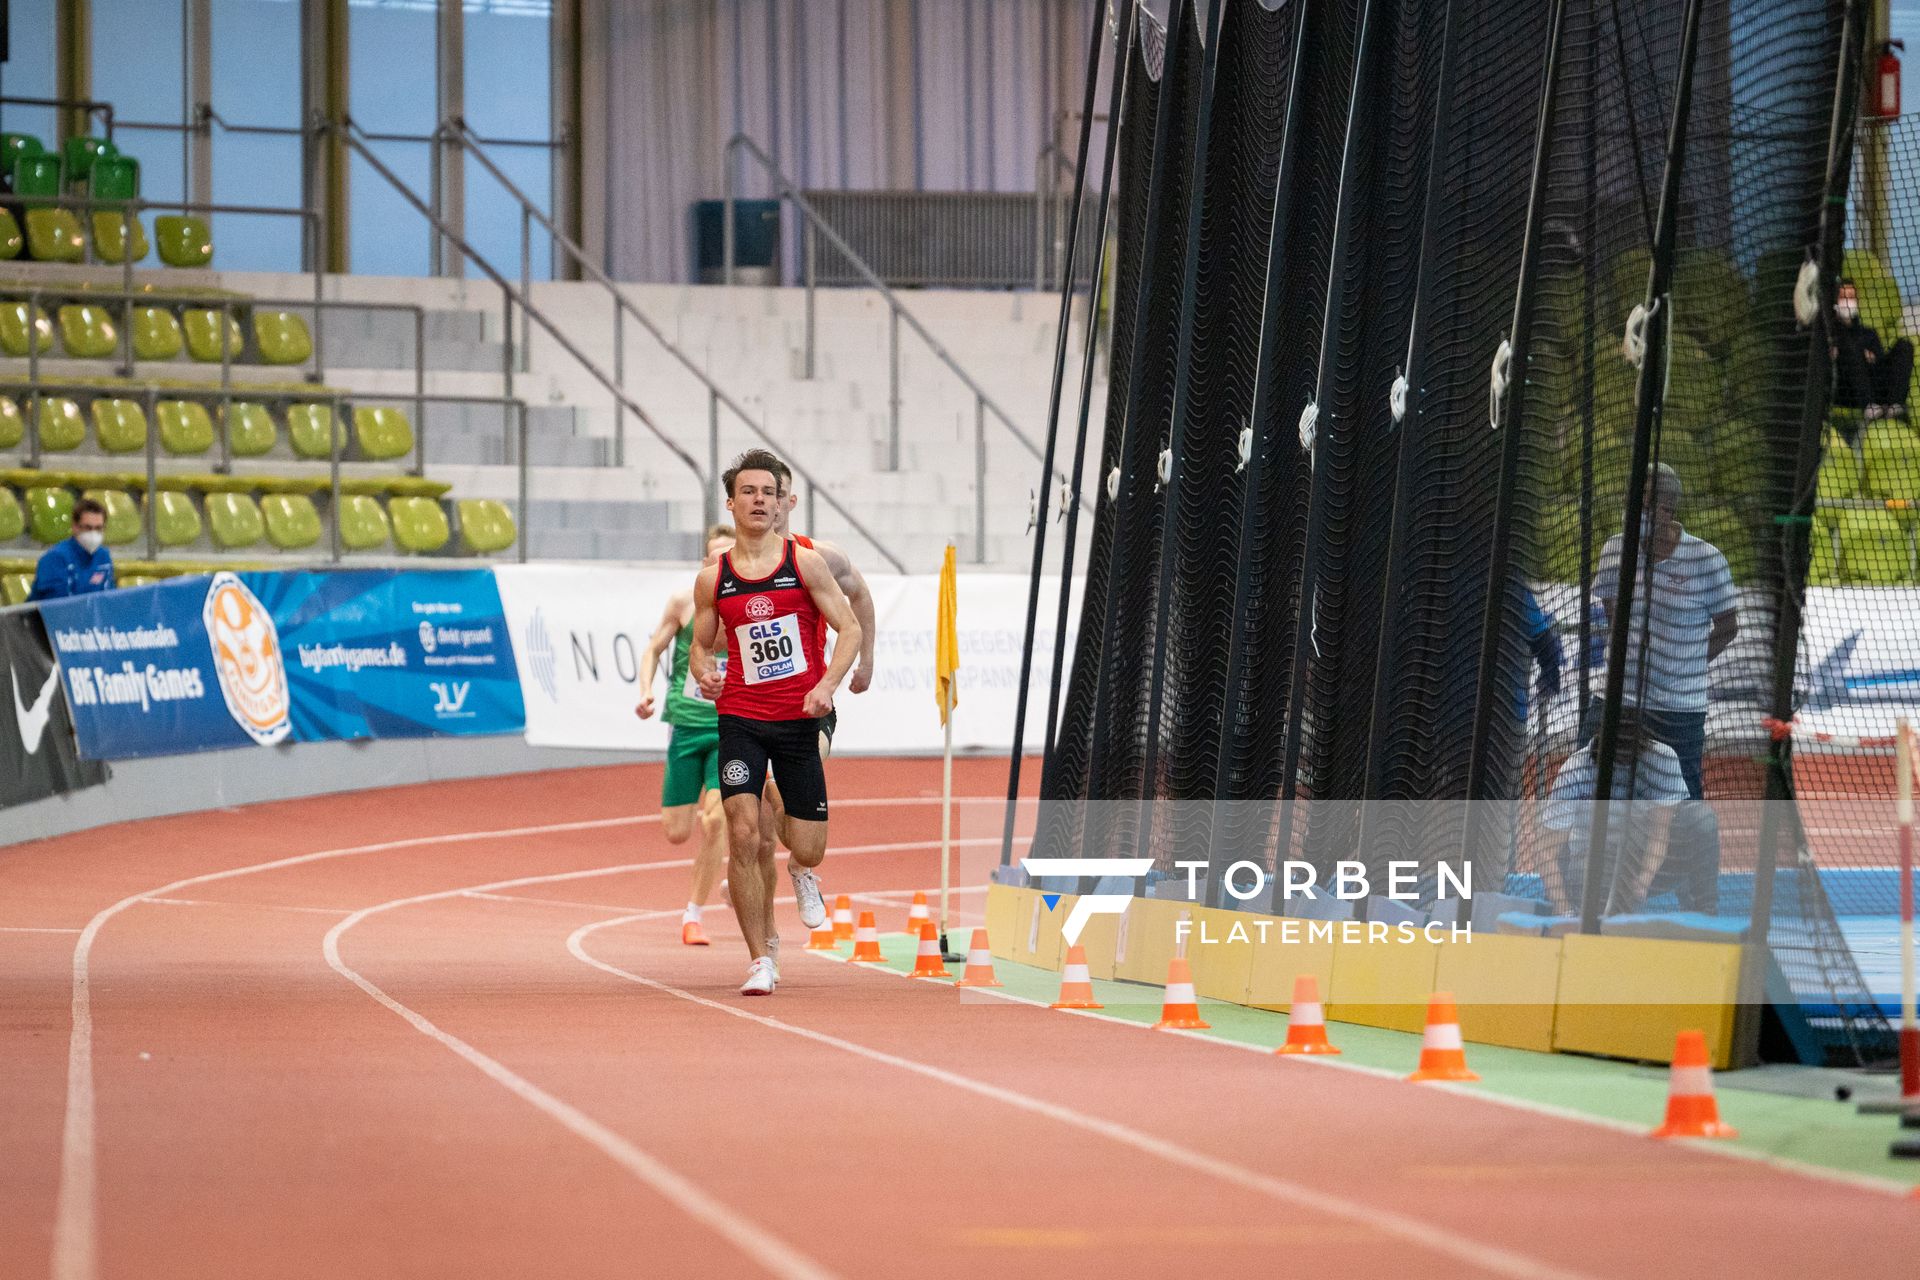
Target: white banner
579	633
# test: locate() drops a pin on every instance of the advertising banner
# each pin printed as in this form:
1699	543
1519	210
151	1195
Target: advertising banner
579	633
37	753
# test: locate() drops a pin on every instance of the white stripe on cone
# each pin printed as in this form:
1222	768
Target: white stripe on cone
1691	1082
866	933
979	959
1307	1013
1180	993
929	947
1443	1035
1076	973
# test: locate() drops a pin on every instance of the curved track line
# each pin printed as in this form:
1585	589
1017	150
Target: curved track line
1422	1235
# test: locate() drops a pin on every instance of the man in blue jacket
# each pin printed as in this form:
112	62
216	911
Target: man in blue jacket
80	564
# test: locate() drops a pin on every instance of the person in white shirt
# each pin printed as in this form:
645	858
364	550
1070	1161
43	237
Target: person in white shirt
1691	605
1671	841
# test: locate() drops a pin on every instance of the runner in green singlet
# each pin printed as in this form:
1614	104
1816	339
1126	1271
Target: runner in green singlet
692	782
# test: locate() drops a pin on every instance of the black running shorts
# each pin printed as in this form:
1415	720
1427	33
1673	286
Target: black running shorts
790	747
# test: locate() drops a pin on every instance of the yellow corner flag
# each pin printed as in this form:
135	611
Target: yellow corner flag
946	639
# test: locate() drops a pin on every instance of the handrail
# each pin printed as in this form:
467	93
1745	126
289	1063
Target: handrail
346	132
91	106
456	131
785	187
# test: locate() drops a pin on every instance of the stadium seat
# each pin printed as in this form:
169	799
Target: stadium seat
50	513
1824	569
61	428
156	334
1873	548
183	241
115	177
292	521
120	426
185	427
203	330
282	337
88	332
53	235
1891	453
15	588
383	433
307	429
11	241
234	520
486	526
15	145
81	151
250	429
13	521
363	525
175	522
413	487
38	175
13	427
14	329
1839	475
419	525
123	515
110	237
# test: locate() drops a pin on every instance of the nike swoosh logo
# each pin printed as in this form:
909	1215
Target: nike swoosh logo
33	723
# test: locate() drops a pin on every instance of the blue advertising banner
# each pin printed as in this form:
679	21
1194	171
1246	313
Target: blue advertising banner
199	664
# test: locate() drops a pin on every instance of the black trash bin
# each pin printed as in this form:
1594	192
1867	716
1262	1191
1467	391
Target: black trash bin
756	241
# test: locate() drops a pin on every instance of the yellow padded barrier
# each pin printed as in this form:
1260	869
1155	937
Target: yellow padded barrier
1144	943
1629	997
1276	964
1221	945
1383	984
1506	987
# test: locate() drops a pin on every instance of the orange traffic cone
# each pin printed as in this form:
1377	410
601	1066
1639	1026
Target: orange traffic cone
979	971
1691	1110
842	918
917	914
1442	1055
1180	1010
929	963
866	939
1076	984
1306	1023
822	939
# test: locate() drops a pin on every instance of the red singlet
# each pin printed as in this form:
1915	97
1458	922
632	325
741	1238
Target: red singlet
773	639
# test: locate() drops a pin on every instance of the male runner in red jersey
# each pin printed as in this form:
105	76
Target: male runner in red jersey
771	595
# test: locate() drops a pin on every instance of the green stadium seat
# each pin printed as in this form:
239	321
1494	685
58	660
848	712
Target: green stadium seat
234	520
384	433
1824	569
120	426
282	337
81	151
1873	548
14	329
11	241
486	526
175	522
363	525
203	329
61	428
15	145
292	520
110	237
307	429
53	235
13	427
50	513
156	334
1839	475
183	241
13	521
414	487
419	525
123	515
1891	453
185	427
88	331
15	588
250	429
38	175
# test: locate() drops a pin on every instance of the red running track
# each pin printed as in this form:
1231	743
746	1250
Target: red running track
369	1064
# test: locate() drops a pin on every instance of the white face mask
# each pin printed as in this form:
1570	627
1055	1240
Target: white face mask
1847	309
90	540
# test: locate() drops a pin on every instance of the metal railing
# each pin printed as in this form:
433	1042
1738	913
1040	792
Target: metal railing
89	105
457	132
898	313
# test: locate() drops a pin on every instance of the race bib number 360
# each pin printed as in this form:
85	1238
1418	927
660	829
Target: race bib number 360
770	650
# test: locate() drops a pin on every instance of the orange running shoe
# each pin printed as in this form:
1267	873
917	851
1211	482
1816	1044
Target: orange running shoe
692	935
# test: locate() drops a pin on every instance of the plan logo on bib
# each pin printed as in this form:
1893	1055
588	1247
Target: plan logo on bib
759	608
248	659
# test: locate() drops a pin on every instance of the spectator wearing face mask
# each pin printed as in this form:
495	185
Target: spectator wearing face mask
82	563
1867	376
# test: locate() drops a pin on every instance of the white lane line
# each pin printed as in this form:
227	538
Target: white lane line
549	902
257	906
22	928
1424	1235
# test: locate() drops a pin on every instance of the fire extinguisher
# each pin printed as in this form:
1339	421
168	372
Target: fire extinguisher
1886	80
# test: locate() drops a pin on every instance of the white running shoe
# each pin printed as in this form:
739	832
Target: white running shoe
760	978
806	896
773	955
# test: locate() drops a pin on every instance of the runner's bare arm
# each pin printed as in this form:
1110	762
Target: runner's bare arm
706	628
851	582
833	606
671	621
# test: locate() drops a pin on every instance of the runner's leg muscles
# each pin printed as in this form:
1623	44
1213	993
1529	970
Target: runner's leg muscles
746	876
707	864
